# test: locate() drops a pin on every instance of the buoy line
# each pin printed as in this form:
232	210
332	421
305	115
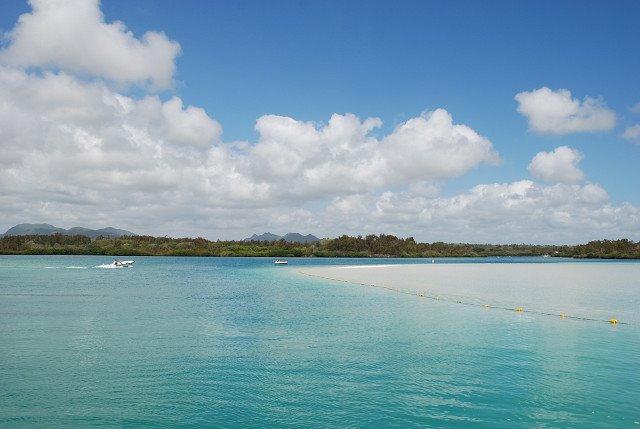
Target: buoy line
454	300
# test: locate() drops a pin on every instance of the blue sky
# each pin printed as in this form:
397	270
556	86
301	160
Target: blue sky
240	61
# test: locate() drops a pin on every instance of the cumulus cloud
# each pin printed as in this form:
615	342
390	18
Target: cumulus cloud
632	133
306	159
341	156
67	142
559	166
432	147
77	151
77	145
161	167
556	112
72	35
522	211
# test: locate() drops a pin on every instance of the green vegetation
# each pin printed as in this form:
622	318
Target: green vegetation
610	249
377	246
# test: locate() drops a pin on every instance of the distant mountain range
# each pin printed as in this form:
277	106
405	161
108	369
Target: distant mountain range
292	237
46	229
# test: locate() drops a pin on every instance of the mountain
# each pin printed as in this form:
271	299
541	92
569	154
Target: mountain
299	238
33	229
267	236
93	233
46	229
290	237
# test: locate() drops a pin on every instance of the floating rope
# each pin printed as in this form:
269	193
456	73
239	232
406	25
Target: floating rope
457	300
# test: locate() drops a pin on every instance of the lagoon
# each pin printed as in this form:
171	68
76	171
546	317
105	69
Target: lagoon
239	342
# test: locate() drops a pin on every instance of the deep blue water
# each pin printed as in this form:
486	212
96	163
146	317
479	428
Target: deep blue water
238	342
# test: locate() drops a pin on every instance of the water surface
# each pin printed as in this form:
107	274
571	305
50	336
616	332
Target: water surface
192	342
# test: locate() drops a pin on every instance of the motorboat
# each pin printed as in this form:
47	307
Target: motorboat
280	262
123	264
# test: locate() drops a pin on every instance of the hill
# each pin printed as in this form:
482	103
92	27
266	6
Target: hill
33	229
46	229
267	236
292	237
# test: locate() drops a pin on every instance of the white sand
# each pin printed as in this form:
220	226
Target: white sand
456	279
588	289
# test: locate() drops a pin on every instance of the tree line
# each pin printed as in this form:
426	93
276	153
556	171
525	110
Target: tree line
371	246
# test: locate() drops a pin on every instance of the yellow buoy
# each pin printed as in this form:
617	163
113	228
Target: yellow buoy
613	321
519	309
486	306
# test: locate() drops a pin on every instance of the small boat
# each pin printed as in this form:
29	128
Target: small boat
279	262
123	264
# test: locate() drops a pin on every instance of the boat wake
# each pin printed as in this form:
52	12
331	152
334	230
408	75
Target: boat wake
116	264
68	268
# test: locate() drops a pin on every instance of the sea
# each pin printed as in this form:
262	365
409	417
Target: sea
242	343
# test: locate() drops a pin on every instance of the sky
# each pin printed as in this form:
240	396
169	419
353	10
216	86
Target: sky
454	121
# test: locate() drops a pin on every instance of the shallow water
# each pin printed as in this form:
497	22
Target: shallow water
584	290
192	342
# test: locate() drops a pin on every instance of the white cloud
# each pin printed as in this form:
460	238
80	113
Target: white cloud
431	147
82	148
632	133
520	212
352	208
69	142
424	189
72	35
593	194
74	151
159	167
171	123
79	153
556	112
559	166
306	159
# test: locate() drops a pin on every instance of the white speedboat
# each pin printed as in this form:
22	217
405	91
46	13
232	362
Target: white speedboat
279	262
123	264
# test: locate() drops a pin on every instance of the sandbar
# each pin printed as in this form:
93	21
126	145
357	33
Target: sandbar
585	289
465	278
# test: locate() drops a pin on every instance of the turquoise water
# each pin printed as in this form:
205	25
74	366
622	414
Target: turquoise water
213	342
